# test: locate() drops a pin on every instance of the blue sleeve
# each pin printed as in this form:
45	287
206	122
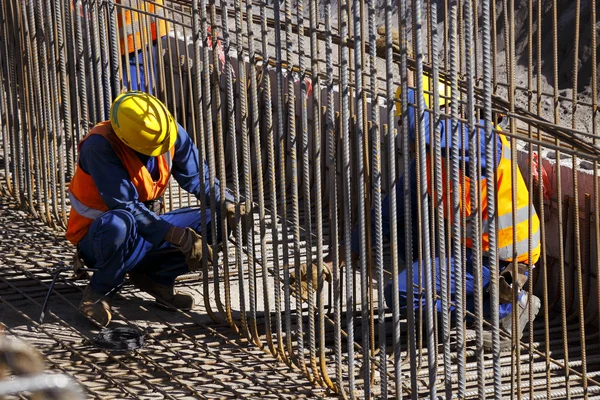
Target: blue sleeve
446	133
98	159
186	170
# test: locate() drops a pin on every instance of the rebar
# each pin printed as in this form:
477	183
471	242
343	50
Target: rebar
315	143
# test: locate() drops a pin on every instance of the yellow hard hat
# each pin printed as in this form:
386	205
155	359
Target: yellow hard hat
443	93
143	123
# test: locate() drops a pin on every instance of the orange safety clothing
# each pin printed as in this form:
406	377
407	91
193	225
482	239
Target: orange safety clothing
136	23
86	201
524	213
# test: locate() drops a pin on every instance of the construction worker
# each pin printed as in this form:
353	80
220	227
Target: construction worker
138	46
123	170
512	270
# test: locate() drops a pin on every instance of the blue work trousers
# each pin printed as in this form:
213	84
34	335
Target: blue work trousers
113	246
469	286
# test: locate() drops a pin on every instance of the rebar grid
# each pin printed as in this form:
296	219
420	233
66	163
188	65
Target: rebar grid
309	139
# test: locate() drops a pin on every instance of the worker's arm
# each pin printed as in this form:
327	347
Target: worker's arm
112	180
445	138
186	170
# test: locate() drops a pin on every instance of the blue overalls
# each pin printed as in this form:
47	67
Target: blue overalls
129	237
504	309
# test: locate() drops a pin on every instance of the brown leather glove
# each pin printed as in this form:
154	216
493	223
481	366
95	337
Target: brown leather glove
232	221
190	244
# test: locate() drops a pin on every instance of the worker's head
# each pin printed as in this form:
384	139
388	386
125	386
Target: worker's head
444	92
143	123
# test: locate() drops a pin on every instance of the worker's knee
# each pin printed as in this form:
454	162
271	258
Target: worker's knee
116	229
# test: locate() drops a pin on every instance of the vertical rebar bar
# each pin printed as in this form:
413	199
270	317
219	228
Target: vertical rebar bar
491	194
343	18
333	199
456	209
439	203
475	216
358	133
423	194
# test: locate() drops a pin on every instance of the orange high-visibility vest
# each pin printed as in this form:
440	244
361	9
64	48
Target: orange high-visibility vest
504	211
136	24
86	202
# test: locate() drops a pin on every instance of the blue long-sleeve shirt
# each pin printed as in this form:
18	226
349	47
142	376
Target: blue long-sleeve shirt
446	134
98	159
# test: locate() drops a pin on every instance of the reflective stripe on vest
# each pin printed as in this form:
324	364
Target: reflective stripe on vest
82	209
527	247
507	252
168	159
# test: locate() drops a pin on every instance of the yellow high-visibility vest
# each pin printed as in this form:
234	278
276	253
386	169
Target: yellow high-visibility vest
504	212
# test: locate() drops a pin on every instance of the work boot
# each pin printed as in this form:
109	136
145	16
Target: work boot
165	295
96	306
527	300
304	279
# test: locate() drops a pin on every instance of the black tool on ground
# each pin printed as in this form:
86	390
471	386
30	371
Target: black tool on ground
55	273
123	338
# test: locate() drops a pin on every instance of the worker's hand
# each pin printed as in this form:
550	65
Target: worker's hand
232	221
190	244
304	277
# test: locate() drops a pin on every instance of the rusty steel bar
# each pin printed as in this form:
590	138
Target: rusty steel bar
61	64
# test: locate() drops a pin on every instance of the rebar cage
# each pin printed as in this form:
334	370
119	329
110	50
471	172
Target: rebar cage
295	106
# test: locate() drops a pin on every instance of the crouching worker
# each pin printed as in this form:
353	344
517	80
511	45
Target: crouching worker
123	170
512	270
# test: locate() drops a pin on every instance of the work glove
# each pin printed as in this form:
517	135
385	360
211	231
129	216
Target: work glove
304	277
189	243
232	222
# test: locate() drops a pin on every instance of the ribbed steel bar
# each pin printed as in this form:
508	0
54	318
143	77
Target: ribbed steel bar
293	160
423	194
35	113
102	12
210	139
304	151
43	108
281	146
11	143
200	108
219	164
54	169
438	201
346	171
223	119
332	155
475	196
256	136
408	249
561	246
114	49
530	184
358	135
232	135
456	211
318	161
97	60
90	55
81	72
377	235
272	184
578	256
491	193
